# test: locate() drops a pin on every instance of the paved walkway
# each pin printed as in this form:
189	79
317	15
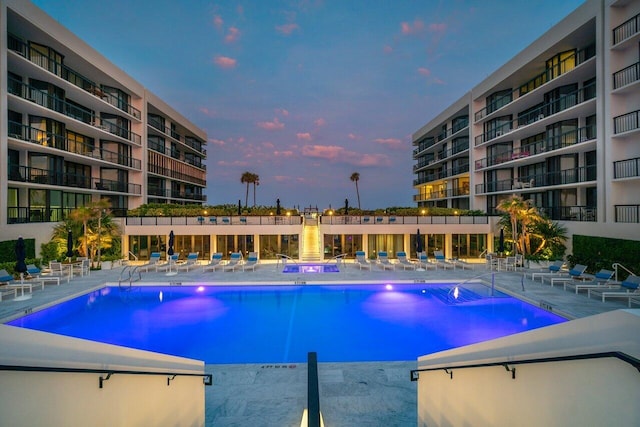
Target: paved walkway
370	393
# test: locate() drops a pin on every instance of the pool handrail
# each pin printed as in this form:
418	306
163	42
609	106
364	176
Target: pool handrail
132	271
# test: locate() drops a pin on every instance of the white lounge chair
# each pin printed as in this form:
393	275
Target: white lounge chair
555	270
215	263
251	263
442	261
576	273
170	265
190	262
154	262
8	282
361	260
629	290
235	262
423	261
383	261
603	279
404	261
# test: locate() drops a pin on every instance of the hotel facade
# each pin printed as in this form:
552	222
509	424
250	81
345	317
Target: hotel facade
75	128
558	124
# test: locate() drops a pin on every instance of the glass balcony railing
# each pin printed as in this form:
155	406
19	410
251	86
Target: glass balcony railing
50	139
15	44
563	177
170	173
550	108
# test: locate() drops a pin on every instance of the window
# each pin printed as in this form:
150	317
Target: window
561	63
46	58
499	99
497	127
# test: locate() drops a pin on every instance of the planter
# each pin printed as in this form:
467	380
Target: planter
106	265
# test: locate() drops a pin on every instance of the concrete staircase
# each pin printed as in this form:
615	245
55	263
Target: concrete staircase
311	247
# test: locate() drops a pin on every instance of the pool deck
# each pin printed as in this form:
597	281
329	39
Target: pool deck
368	393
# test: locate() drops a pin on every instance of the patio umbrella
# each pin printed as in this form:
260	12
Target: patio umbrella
21	255
69	244
419	247
501	241
239	207
171	243
278	207
346	206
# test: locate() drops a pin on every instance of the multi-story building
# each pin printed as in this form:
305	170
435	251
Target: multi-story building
74	128
557	124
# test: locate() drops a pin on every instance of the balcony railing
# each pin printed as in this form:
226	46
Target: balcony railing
626	30
567	176
444	154
546	76
628	213
170	173
555	106
546	145
444	194
66	73
23	215
30	93
626	76
50	139
626	122
189	142
65	179
629	168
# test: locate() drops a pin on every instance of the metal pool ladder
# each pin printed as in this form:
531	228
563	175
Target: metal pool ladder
131	271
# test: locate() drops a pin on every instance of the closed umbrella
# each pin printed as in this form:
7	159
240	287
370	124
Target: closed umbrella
501	241
278	207
21	255
171	243
346	206
69	244
419	247
239	207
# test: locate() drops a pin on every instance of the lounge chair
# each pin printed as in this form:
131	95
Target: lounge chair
8	282
33	271
170	265
251	263
462	264
576	273
603	279
383	261
629	289
82	267
5	279
361	260
215	263
56	269
442	261
404	261
235	262
556	269
154	262
423	261
190	262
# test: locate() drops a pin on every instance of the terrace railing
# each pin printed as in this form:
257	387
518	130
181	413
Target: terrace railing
626	30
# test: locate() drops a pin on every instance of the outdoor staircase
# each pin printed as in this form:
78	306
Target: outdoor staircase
311	247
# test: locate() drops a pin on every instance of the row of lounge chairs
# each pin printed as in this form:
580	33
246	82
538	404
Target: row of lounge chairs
236	262
33	278
402	261
602	284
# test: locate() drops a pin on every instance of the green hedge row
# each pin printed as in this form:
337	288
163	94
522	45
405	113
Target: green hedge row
602	252
8	249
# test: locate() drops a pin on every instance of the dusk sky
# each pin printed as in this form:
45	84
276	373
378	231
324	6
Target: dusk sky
306	92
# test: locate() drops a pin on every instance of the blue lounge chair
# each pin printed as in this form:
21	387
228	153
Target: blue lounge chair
235	262
442	261
423	261
576	273
190	262
404	261
251	263
361	260
556	269
383	261
154	262
629	290
215	263
603	279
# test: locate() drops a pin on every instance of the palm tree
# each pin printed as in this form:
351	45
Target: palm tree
355	177
246	178
83	215
255	178
513	206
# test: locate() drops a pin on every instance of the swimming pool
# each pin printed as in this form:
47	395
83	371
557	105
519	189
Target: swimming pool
281	324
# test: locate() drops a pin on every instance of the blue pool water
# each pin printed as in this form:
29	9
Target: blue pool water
281	324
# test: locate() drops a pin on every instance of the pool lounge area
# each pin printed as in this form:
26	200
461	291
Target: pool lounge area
360	393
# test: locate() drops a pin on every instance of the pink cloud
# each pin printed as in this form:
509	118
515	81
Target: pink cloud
437	27
407	29
284	153
335	153
225	62
274	125
320	122
218	22
233	35
424	71
306	136
287	29
215	141
353	136
283	112
207	112
391	142
387	49
233	163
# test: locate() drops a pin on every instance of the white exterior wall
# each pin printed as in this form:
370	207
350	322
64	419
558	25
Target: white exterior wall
597	392
74	399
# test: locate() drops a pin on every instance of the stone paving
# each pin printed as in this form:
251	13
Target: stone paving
368	393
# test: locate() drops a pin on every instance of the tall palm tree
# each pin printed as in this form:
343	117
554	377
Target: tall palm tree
255	178
246	178
83	215
355	177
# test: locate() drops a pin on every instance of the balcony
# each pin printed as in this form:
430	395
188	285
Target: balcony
547	110
546	76
629	168
626	76
626	30
49	139
628	213
170	173
444	194
21	48
31	175
43	99
546	145
568	176
626	122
